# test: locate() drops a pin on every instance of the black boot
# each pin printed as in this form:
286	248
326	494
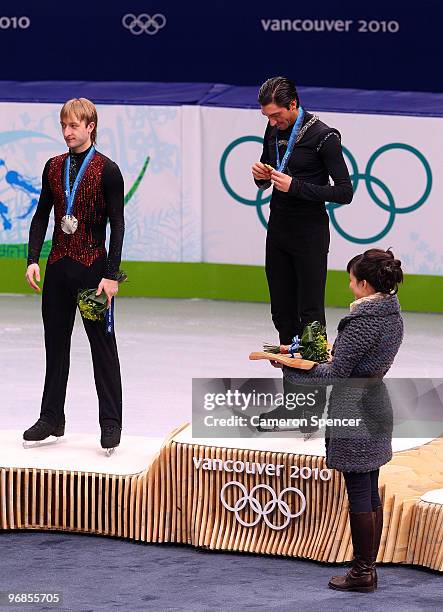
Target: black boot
360	577
110	437
42	430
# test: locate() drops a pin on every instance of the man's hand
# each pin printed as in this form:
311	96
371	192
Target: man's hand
33	270
110	287
281	181
260	172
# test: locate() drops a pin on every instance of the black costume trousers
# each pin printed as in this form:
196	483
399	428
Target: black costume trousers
63	279
296	266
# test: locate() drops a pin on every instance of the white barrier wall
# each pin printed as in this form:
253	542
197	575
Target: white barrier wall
162	221
395	164
196	200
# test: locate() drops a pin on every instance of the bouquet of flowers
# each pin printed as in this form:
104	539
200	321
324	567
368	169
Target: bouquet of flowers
92	306
312	346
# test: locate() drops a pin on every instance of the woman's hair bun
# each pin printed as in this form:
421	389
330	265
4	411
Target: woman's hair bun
379	268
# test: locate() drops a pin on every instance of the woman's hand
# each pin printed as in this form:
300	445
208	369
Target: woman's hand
276	364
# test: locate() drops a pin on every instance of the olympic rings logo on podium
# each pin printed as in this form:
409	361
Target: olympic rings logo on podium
262	512
356	176
144	23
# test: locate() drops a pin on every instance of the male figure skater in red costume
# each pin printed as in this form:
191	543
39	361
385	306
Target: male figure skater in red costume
86	190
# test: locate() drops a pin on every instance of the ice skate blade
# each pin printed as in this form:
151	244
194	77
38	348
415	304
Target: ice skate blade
48	442
109	451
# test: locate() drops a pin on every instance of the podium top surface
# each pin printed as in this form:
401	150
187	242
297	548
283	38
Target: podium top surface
79	453
82	452
279	442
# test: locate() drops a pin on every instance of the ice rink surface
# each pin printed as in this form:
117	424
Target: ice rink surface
163	344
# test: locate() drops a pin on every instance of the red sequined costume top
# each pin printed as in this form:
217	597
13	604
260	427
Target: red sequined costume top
99	197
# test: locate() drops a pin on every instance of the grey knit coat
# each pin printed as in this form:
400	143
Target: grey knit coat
367	342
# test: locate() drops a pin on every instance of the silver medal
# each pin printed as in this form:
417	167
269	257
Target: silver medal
69	224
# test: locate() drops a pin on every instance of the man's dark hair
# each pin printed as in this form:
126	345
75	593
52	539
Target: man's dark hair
278	90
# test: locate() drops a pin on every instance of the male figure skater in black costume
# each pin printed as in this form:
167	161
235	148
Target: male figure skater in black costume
300	153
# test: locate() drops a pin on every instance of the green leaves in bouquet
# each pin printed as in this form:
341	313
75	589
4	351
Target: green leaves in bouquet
121	276
314	343
271	348
92	306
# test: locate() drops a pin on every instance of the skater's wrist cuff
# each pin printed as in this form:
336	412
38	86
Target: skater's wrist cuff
295	186
262	183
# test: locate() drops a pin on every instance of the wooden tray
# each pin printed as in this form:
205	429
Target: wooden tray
287	360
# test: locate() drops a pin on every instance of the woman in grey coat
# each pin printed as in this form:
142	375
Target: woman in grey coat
368	340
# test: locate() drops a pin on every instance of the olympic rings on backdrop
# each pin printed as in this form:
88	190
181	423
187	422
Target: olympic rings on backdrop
144	23
356	176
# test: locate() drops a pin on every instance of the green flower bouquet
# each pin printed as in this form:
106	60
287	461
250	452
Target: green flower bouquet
312	346
314	343
92	306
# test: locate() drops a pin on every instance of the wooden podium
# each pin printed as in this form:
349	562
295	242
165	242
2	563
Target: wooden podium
155	491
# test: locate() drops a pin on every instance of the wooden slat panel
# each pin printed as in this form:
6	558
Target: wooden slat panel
173	501
3	502
27	499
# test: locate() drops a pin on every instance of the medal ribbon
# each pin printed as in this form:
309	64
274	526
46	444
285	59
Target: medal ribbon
109	318
70	195
294	346
281	166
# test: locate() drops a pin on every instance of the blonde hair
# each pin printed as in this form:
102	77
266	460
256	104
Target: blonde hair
84	110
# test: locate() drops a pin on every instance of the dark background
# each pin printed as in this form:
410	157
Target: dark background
224	42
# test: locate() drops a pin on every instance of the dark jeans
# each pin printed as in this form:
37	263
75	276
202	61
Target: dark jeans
296	266
362	490
63	279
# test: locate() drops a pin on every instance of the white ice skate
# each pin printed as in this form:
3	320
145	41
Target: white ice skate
48	442
110	438
43	434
